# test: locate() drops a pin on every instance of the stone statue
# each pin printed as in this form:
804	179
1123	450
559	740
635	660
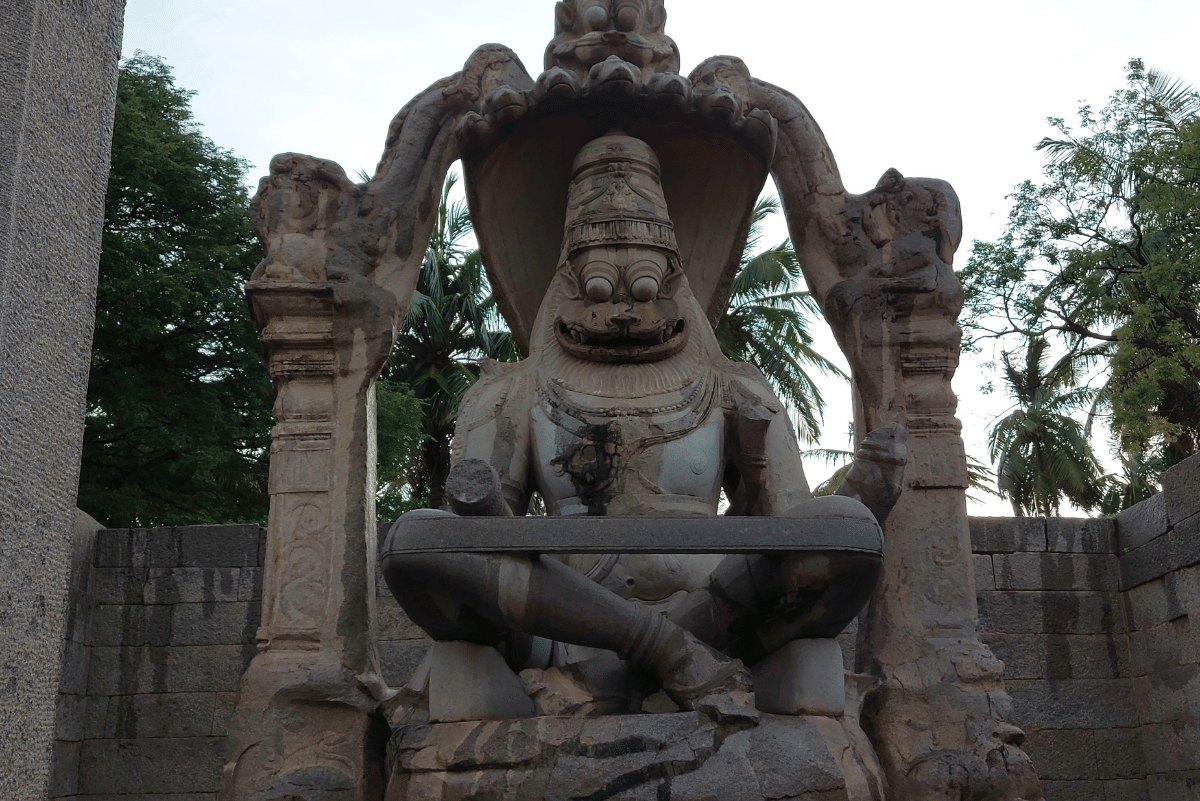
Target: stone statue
611	197
626	407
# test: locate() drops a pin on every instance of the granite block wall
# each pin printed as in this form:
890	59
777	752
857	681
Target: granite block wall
163	625
1093	619
1050	606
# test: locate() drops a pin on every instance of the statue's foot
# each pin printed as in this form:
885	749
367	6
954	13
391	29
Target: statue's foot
703	680
876	477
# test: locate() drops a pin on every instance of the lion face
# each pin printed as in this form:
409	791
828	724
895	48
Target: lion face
589	31
622	307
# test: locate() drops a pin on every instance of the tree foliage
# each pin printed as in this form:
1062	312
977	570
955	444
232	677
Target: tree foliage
767	323
1041	452
1104	256
451	324
178	418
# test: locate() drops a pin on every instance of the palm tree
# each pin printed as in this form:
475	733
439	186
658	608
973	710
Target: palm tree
1138	482
767	324
1041	453
452	323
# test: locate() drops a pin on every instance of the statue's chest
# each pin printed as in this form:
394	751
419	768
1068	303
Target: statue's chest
628	464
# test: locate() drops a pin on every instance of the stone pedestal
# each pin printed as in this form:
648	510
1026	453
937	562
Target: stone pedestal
682	756
803	677
57	93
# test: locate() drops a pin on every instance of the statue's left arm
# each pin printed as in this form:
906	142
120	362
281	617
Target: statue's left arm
493	426
765	453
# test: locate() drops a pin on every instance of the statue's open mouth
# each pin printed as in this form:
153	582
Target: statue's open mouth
621	347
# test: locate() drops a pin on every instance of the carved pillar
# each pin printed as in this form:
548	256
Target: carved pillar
341	264
306	720
939	719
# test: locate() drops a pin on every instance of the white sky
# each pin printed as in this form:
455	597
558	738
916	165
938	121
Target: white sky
953	90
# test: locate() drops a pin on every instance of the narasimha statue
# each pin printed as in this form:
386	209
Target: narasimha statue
626	407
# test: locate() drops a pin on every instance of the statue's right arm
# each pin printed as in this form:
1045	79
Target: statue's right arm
493	425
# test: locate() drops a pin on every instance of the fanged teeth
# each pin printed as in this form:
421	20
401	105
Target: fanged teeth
576	337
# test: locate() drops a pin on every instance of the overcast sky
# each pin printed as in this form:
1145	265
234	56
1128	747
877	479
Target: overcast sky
953	90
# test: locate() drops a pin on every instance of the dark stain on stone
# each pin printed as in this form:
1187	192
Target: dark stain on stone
593	464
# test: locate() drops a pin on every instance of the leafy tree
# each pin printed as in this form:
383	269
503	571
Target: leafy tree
767	324
1041	452
178	418
1106	254
1139	481
452	323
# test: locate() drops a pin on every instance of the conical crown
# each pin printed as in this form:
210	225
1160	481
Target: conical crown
616	197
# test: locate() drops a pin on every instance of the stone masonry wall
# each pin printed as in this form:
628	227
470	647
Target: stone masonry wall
1050	607
1092	618
1159	546
163	624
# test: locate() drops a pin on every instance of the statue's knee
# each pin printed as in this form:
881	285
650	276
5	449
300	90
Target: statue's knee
834	507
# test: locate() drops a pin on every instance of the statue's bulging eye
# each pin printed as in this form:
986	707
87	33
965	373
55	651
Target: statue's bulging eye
599	289
644	289
628	18
596	18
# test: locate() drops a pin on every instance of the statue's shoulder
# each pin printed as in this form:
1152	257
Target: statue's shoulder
501	387
744	382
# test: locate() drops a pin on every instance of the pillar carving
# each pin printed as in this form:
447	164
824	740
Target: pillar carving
940	719
341	263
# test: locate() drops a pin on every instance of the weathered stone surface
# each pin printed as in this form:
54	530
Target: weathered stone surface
682	756
399	659
1060	656
1063	754
71	719
192	585
176	669
137	717
185	765
1165	647
215	624
119	585
219	546
1126	790
1081	535
1074	791
1168	695
1176	549
394	625
1050	612
1141	523
1181	488
64	772
1057	571
805	677
1119	754
1164	599
1172	747
137	547
985	576
1073	704
1178	787
472	682
132	625
1007	534
57	92
76	660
